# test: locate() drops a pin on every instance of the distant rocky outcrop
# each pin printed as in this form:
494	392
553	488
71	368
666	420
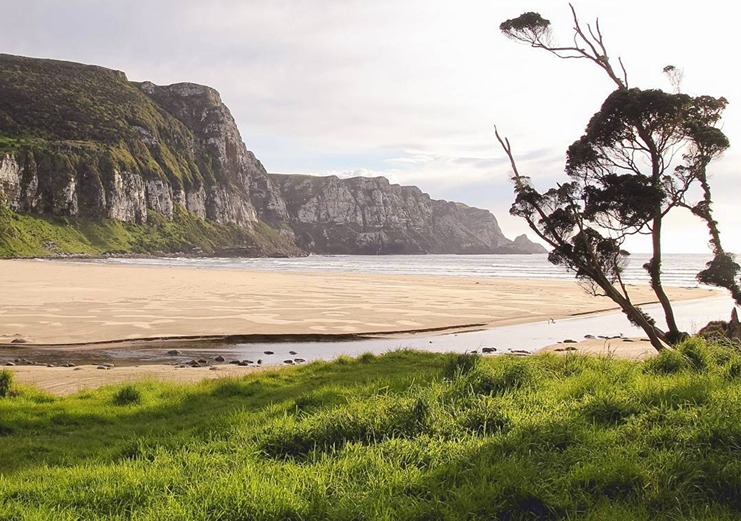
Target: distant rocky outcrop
372	216
82	142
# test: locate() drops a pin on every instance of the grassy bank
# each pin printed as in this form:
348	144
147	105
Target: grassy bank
404	436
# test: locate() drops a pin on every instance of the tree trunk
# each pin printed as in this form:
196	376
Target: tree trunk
673	335
635	316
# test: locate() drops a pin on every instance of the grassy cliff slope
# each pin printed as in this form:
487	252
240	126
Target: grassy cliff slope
23	235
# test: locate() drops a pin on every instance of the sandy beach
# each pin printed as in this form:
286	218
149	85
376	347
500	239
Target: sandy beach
65	303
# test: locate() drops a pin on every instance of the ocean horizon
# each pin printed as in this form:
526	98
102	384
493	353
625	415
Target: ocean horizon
679	270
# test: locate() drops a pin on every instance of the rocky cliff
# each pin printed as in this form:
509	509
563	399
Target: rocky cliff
84	144
372	216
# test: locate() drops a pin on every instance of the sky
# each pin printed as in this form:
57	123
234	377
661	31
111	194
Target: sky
410	89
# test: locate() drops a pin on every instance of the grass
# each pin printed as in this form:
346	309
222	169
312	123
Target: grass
23	235
6	383
406	435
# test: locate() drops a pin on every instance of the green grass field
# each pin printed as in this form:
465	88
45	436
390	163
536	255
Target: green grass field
408	435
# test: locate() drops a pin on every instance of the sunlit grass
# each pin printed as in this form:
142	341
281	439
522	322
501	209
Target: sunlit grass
407	435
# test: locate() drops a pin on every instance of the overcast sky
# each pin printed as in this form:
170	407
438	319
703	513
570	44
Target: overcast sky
406	89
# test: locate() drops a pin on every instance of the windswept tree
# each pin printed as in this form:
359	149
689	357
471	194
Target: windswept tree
640	156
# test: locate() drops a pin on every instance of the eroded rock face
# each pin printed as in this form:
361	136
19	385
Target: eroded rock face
127	199
240	191
159	196
373	216
11	175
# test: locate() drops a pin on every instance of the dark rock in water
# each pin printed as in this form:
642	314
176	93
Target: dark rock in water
292	353
173	352
519	352
202	361
604	337
473	352
299	360
627	339
269	352
259	360
488	349
220	359
589	336
235	362
288	362
569	341
19	341
243	363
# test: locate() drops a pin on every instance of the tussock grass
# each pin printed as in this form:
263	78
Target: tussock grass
406	435
6	383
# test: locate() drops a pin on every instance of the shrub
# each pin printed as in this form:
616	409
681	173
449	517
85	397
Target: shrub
6	382
128	395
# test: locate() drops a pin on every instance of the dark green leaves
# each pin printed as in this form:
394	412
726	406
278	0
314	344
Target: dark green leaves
529	27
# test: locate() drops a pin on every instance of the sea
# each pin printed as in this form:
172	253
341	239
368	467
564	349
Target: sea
679	270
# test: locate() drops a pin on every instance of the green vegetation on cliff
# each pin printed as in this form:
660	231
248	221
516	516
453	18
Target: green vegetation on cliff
407	435
23	235
47	106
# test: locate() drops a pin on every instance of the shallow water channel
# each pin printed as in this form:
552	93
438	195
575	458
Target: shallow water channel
521	338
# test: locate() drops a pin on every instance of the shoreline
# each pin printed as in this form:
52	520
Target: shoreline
98	312
59	303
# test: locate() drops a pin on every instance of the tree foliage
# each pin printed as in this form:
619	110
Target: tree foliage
639	158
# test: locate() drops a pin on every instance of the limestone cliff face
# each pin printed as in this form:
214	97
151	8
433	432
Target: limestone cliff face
373	216
242	193
83	141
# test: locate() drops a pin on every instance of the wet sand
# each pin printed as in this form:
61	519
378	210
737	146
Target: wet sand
637	349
